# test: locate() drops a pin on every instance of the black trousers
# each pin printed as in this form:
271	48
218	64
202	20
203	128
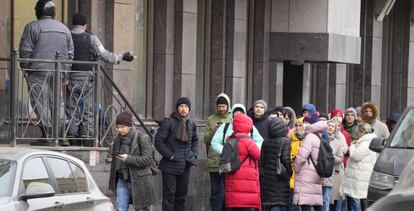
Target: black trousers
174	190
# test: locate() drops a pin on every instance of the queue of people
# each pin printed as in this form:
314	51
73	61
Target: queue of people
276	151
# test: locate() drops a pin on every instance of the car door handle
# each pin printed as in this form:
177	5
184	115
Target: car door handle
59	204
90	200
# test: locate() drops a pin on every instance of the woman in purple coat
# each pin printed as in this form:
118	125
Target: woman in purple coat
308	187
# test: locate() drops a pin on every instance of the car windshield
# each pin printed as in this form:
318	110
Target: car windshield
404	136
7	168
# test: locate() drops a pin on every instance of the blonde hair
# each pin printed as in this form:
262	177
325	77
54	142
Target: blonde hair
364	127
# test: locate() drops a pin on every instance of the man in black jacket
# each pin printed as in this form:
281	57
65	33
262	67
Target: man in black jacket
177	141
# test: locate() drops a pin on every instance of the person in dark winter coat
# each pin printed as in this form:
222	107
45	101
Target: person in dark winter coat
131	175
259	117
275	189
177	142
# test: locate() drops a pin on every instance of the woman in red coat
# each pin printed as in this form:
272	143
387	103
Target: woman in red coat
243	187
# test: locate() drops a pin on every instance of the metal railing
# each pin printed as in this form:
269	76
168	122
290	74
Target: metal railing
76	107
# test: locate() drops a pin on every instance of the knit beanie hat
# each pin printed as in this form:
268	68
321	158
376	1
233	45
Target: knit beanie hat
262	102
358	110
221	100
351	110
337	111
124	118
79	19
311	117
183	100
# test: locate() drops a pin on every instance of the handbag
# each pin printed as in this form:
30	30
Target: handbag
281	171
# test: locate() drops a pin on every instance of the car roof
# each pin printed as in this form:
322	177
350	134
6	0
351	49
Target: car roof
17	153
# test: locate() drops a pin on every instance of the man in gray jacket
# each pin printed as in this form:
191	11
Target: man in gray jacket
43	39
81	80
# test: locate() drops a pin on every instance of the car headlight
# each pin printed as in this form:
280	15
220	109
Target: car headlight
381	181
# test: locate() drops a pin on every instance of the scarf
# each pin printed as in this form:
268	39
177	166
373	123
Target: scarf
182	130
124	145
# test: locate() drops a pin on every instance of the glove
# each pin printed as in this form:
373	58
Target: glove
127	57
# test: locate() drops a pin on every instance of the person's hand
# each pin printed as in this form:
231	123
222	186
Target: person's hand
127	57
122	157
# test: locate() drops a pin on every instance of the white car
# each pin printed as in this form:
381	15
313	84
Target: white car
32	179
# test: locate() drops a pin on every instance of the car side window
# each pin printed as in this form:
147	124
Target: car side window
80	178
34	171
63	174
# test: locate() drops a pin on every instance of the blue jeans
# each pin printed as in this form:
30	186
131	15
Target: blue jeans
124	196
292	207
277	209
326	193
341	205
354	204
217	191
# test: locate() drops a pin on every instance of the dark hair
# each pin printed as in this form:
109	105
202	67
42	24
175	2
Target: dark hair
45	8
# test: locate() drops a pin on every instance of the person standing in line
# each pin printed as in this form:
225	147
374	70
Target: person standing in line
221	116
259	117
308	187
226	130
177	142
242	187
328	183
358	171
275	189
43	39
295	136
350	122
81	79
370	115
130	174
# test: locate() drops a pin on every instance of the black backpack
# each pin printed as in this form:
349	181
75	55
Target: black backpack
326	160
229	158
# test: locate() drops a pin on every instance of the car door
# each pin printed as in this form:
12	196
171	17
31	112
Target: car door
72	187
34	170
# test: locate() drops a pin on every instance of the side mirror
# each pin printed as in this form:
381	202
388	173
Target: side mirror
377	144
38	190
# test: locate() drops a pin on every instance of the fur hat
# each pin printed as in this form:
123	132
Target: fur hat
183	100
374	108
79	19
262	102
124	118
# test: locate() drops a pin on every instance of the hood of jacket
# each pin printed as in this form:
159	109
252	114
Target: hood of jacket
316	127
242	123
238	105
366	137
292	116
227	98
277	128
309	107
374	108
